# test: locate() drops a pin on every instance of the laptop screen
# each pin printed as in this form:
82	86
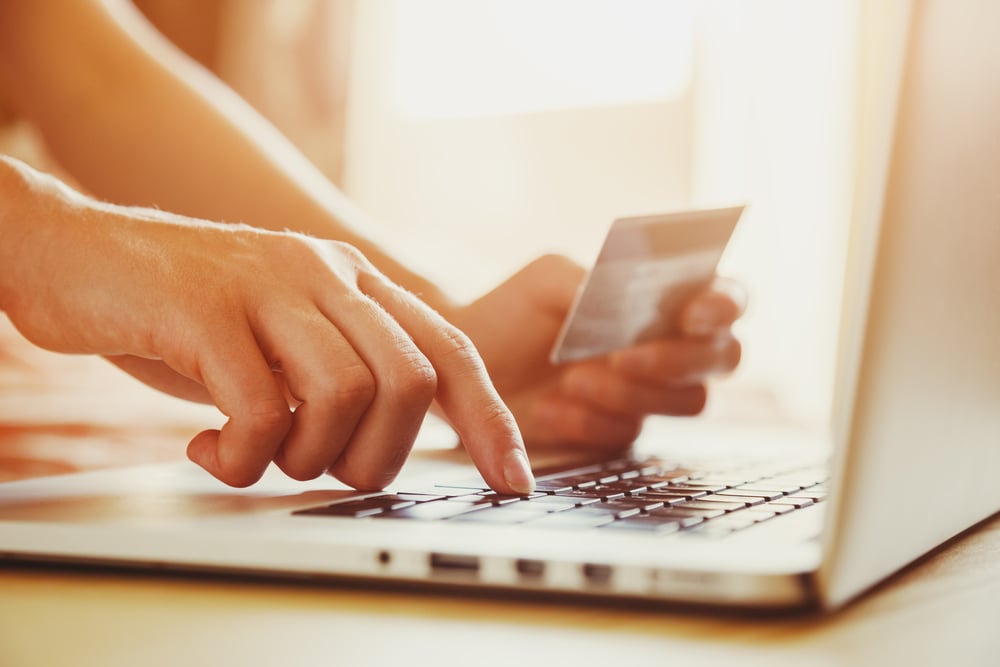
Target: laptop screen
924	413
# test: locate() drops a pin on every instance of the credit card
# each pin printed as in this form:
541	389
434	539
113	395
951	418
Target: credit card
648	267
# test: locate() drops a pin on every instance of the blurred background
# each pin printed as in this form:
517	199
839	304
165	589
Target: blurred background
478	134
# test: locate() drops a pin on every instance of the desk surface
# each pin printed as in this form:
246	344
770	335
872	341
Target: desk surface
944	610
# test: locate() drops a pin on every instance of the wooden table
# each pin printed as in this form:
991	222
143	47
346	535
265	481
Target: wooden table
943	611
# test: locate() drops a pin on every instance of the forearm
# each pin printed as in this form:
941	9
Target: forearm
136	122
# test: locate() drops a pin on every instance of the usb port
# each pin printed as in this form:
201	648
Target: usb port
454	562
530	568
598	574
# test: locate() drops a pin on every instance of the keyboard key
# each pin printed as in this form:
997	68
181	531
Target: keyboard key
508	515
556	503
643	505
722	496
816	494
435	491
692	489
688	493
758	514
584	517
471	499
765	494
665	498
434	511
352	510
626	486
702	504
553	486
540	507
361	508
419	497
645	523
794	501
499	499
783	508
722	481
688	473
578	481
680	517
730	523
770	486
581	496
606	492
651	481
596	493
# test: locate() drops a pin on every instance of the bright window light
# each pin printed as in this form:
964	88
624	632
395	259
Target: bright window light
456	58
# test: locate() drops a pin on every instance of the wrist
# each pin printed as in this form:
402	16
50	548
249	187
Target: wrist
33	209
16	198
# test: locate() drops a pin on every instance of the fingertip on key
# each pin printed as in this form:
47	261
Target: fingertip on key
517	472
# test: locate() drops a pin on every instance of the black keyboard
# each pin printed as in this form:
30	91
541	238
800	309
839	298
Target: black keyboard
650	495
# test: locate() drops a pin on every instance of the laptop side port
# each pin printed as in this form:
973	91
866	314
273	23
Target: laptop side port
454	563
597	574
529	568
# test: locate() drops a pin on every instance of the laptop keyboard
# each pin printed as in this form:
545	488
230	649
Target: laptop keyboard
650	496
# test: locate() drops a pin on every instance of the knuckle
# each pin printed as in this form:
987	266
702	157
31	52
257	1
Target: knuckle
350	254
414	378
353	386
548	263
270	418
549	260
497	415
455	346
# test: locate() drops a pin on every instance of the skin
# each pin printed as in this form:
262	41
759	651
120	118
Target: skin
600	403
324	351
254	322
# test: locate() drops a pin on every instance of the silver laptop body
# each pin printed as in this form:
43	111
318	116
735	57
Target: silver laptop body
916	442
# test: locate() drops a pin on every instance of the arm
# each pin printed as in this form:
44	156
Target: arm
100	82
137	122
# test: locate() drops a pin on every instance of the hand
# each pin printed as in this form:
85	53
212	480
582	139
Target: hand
255	322
597	403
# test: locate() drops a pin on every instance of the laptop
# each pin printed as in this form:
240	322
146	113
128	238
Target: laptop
698	512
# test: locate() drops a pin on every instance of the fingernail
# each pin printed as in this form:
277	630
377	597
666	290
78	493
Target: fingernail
517	472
